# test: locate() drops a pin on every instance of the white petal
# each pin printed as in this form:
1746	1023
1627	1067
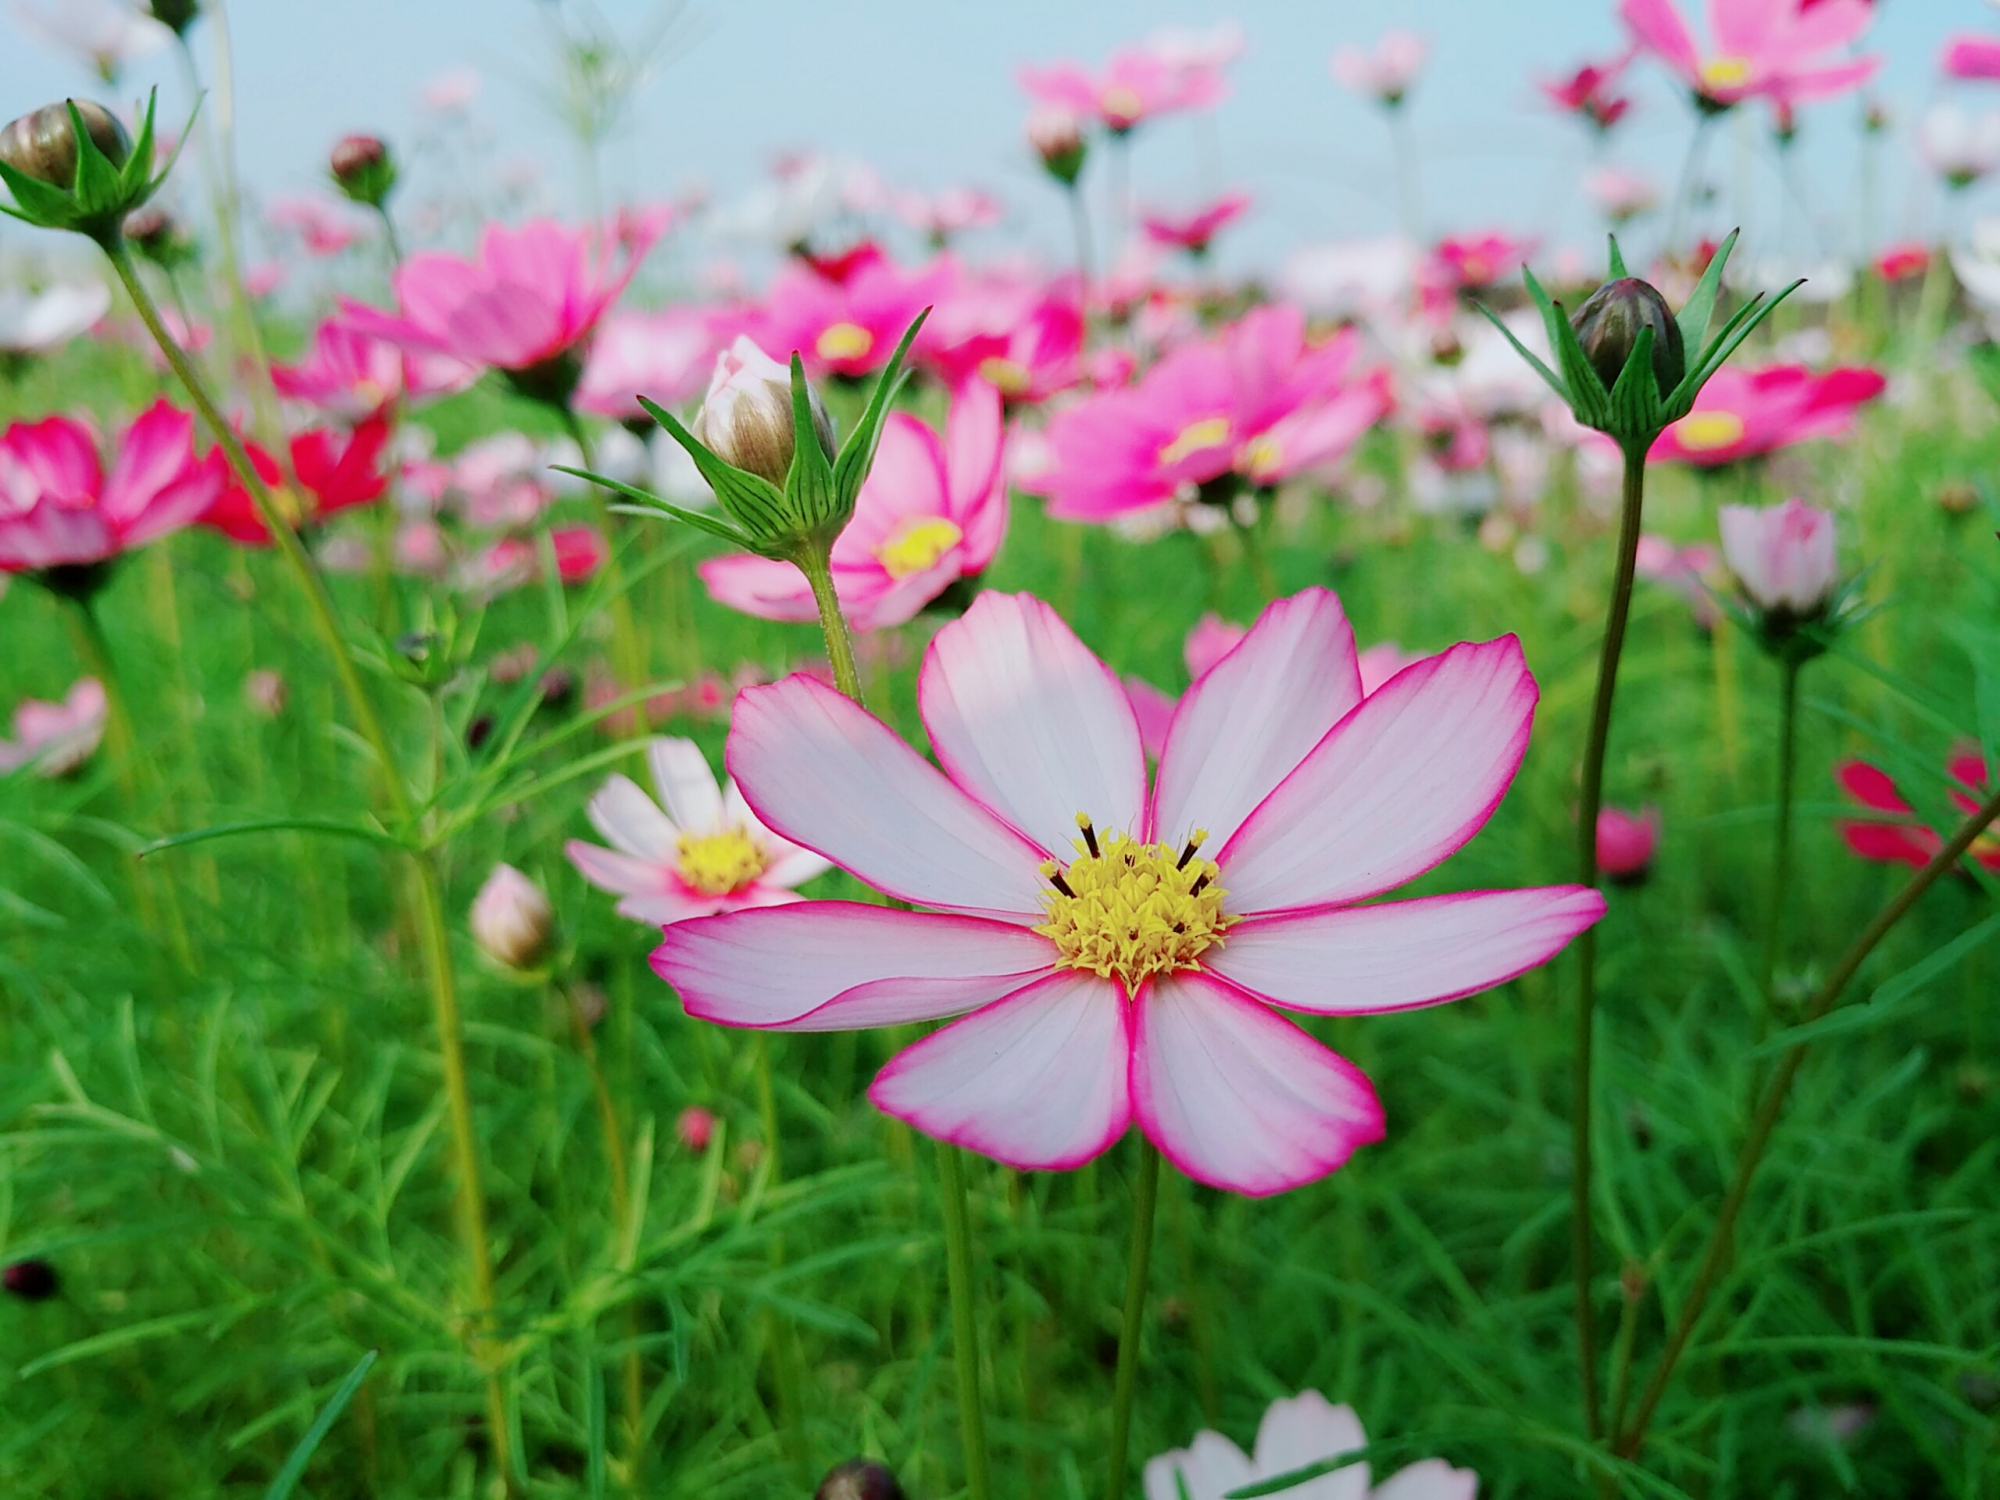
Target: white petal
1304	1430
631	821
686	784
1211	1465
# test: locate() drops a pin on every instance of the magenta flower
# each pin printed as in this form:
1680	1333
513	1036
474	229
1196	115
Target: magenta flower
1970	55
1120	953
531	296
1385	71
940	216
1782	50
1591	92
56	738
353	375
850	326
515	561
1783	556
1021	335
664	356
1138	84
1897	836
323	226
1194	231
932	511
706	853
59	508
1747	413
1625	843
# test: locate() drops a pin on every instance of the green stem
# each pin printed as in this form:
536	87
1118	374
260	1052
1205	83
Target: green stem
1145	1197
389	235
1781	849
1591	803
627	651
817	564
964	1322
778	1328
1079	223
1717	1250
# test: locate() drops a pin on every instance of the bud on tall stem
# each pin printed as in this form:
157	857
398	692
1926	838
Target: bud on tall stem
42	145
1607	326
746	418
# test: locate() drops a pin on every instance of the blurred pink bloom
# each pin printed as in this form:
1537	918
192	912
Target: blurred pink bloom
1784	556
1591	92
846	327
352	375
1468	262
499	481
1282	799
1193	231
706	853
930	513
1681	569
1382	661
664	356
1298	1431
939	216
1783	50
694	1127
1139	83
106	34
1020	334
56	738
514	561
60	509
1899	838
1903	260
324	227
264	278
1625	843
1969	55
452	91
1384	71
1621	194
530	297
1746	413
511	919
1211	639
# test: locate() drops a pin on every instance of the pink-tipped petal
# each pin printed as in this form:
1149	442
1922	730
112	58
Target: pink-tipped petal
613	870
1237	1096
1402	783
1249	721
1037	1080
822	772
1024	718
1398	954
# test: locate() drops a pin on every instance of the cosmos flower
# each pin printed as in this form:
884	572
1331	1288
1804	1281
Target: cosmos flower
351	375
56	738
664	356
1899	838
1022	335
845	327
1138	83
1120	954
1297	1431
103	33
1591	92
1385	71
37	322
515	561
336	471
706	853
1784	556
1969	55
1743	413
1194	231
1787	51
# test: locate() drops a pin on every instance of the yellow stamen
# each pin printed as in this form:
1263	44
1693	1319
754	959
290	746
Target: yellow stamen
1707	431
1209	432
918	544
1121	105
1008	377
717	863
1130	910
844	341
1263	456
1725	73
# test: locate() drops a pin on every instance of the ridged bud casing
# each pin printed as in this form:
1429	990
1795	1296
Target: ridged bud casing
1607	328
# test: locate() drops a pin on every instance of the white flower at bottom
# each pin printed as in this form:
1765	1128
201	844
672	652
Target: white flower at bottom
1296	1432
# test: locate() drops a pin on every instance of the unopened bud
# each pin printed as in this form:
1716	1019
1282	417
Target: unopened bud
31	1280
859	1479
175	15
363	169
1607	327
42	145
1784	556
1057	136
159	236
511	919
694	1128
265	691
746	418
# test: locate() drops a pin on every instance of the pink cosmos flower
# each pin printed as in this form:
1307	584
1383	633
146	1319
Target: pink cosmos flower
352	375
1747	413
1385	71
515	561
940	216
1621	194
1119	953
1969	55
664	356
325	228
336	471
1903	260
932	511
1625	843
1681	569
1193	232
1139	83
1591	92
1020	334
530	296
1382	661
705	854
56	738
1899	838
1783	50
1783	556
60	508
1297	1431
850	326
1468	262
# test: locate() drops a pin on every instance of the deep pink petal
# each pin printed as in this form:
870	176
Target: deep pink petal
1656	26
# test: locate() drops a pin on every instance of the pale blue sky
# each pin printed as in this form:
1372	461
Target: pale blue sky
925	90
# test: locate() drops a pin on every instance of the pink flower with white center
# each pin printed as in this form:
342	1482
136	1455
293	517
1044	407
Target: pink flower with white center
1788	51
56	738
1297	1431
529	298
1747	413
1020	334
1625	843
1971	56
60	508
1120	953
1385	71
1137	84
664	356
1194	231
847	327
706	853
352	375
1784	556
932	511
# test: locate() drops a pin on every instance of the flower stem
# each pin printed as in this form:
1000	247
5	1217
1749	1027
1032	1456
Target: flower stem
1591	803
1079	223
964	1323
1717	1250
627	650
1145	1197
816	562
1781	848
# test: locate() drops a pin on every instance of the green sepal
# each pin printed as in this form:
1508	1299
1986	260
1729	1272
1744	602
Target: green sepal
857	454
1635	399
36	202
750	499
1734	332
811	493
1618	271
1554	380
99	184
652	505
1588	398
1699	308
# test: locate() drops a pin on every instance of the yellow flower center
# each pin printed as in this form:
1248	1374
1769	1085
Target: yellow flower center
1196	437
917	544
1008	377
1725	73
1263	456
717	863
1706	431
290	505
844	341
1121	105
1128	911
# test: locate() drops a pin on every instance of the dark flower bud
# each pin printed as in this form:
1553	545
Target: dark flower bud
31	1280
159	236
42	145
175	15
859	1479
363	169
1607	327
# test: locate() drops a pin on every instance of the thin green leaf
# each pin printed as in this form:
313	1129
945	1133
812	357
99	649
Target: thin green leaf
810	493
653	506
1881	1005
295	1466
857	454
1618	271
1554	380
330	826
1695	314
753	500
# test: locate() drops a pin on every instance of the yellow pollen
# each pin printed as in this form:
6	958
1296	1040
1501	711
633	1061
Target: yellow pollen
371	393
1263	456
1196	437
1121	105
290	505
1725	72
717	863
1706	431
918	544
844	341
1127	911
1008	377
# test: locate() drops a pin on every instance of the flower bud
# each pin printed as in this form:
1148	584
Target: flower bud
1625	844
31	1280
859	1479
1607	327
42	145
265	691
1783	556
1057	136
694	1129
159	236
746	417
363	169
175	15
511	919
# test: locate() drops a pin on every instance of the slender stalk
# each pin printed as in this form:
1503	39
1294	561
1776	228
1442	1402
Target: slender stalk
1684	189
1255	557
964	1321
1591	803
1716	1251
1781	845
1409	190
1079	223
1145	1198
817	565
627	650
389	235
